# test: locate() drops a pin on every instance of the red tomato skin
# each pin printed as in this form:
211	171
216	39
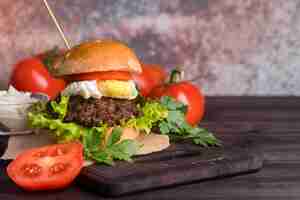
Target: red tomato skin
109	75
188	94
158	91
152	76
45	181
31	75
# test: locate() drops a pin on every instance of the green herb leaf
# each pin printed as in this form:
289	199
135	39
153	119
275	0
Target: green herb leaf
113	150
102	157
170	104
114	136
164	127
177	128
175	116
124	150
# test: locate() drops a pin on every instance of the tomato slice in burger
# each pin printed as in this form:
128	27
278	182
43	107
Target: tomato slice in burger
109	75
47	168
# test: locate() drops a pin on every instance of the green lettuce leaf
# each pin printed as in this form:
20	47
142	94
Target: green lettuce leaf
63	131
61	107
152	113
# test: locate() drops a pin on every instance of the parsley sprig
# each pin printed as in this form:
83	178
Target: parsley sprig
168	115
114	149
177	128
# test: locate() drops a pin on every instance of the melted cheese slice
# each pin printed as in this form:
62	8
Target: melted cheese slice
118	89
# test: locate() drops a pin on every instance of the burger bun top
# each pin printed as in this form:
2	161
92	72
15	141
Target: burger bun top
96	56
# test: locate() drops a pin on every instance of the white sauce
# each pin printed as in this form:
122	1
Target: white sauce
13	108
86	89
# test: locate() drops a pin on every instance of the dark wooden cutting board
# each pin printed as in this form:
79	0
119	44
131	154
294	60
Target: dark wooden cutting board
179	164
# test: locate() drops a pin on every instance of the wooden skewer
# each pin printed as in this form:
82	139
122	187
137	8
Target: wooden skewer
58	26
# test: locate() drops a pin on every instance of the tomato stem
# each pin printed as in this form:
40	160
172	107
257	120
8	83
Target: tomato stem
175	76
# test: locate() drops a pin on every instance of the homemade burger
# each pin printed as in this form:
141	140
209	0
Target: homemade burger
100	95
102	105
101	88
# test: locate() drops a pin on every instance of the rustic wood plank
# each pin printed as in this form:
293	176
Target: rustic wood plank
265	127
279	147
252	115
246	102
252	109
274	123
166	168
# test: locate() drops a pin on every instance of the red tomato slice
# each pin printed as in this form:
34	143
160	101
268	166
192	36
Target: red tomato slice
109	75
47	168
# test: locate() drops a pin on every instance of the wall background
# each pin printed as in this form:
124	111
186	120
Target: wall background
229	47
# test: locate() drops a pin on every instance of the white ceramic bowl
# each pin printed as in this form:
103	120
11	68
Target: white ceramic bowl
14	116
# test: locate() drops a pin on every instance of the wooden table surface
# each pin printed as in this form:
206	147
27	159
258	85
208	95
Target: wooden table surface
274	123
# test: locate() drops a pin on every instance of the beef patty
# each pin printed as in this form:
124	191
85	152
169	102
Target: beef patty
90	112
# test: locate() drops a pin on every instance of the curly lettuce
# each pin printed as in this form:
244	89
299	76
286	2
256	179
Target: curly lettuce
152	113
64	132
61	107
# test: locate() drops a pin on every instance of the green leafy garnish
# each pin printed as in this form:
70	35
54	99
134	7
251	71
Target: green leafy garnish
60	108
152	113
176	127
114	149
39	117
92	140
169	116
64	132
39	107
115	136
171	104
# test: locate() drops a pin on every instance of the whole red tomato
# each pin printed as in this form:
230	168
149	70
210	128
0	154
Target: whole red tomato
186	93
31	75
152	76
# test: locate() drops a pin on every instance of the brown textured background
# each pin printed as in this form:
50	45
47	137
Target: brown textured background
228	47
